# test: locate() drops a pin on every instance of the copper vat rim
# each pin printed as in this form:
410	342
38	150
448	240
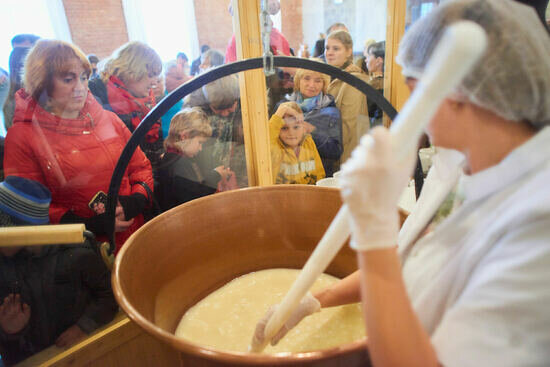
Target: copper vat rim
205	352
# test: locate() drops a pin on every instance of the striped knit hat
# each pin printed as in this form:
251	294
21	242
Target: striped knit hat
24	201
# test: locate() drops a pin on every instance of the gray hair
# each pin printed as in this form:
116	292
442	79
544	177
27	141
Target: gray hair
223	92
216	58
169	65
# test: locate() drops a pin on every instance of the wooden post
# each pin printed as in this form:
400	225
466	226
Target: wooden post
246	23
395	89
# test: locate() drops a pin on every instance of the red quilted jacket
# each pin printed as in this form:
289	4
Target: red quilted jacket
135	109
74	159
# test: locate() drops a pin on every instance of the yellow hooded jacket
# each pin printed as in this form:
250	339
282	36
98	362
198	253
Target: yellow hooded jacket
289	169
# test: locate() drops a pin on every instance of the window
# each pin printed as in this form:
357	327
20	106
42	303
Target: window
47	20
167	26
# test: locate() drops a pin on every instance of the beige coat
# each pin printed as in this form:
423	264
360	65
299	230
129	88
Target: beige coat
353	107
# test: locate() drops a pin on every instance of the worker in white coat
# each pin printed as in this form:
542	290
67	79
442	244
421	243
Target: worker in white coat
471	288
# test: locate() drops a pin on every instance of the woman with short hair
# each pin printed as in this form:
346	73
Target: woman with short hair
64	139
125	86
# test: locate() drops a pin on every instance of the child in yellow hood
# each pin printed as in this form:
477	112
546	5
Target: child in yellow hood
294	156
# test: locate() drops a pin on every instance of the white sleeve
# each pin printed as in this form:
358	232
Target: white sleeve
503	316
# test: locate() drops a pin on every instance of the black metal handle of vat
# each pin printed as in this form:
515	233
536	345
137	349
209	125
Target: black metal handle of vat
219	72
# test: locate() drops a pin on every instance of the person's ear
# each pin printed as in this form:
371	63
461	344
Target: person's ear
456	105
184	135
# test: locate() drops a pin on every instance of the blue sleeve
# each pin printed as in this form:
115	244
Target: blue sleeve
328	132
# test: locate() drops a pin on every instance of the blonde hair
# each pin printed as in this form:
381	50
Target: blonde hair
300	73
295	106
131	62
368	42
192	121
49	58
345	38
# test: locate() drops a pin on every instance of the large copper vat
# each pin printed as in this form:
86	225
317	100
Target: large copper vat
186	253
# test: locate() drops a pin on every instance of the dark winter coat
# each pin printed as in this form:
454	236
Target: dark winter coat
64	286
180	180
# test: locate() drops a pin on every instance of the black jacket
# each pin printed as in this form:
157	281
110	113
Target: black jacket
180	180
63	285
195	66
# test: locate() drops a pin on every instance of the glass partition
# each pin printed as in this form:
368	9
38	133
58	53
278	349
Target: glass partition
349	35
74	95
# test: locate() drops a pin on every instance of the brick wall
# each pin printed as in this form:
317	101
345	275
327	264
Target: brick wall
291	21
214	23
97	26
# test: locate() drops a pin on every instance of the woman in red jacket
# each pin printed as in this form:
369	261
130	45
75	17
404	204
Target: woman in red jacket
125	86
64	139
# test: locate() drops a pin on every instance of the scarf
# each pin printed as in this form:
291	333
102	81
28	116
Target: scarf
131	108
308	104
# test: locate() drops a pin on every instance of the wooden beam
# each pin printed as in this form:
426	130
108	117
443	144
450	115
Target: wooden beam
246	23
395	89
120	343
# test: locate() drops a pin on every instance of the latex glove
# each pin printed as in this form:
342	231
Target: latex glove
371	182
307	306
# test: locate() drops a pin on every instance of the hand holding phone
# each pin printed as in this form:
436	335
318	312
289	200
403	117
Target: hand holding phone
98	202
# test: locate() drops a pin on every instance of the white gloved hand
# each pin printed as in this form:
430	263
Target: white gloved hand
307	306
372	181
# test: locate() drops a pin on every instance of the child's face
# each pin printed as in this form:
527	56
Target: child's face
293	132
193	146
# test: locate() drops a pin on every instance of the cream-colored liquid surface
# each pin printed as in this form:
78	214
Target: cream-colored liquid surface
226	319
